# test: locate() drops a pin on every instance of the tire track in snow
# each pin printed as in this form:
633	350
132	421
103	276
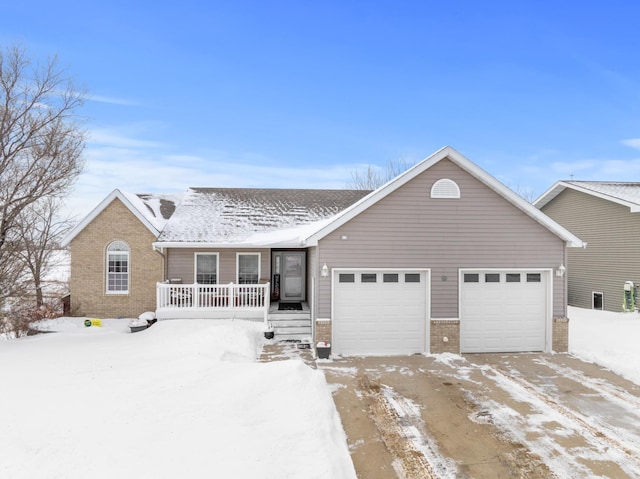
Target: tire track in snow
607	390
618	449
399	421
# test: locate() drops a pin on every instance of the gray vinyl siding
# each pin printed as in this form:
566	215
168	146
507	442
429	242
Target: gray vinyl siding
408	229
312	272
180	263
612	234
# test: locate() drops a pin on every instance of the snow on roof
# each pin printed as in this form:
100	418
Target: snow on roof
626	191
157	208
253	216
621	192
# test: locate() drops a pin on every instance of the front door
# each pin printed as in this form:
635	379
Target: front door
293	276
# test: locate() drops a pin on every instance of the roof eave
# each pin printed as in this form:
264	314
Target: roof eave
212	245
560	186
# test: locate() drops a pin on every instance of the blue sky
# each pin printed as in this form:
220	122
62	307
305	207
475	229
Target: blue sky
302	93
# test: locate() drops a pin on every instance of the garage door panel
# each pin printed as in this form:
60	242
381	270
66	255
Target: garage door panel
504	316
380	318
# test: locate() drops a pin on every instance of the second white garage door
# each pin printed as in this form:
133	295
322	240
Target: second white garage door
503	311
379	312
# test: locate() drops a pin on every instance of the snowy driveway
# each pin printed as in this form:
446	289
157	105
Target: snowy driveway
487	416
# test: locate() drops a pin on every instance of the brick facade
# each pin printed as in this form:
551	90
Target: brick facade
88	266
445	336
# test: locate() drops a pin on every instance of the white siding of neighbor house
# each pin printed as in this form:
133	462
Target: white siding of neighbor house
409	229
180	263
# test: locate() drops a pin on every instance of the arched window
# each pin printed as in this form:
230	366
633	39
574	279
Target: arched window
118	268
445	188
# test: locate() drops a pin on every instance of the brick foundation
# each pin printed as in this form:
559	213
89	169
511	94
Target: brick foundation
560	340
323	330
445	336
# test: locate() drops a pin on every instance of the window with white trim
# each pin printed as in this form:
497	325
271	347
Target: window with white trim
206	268
248	267
118	268
445	188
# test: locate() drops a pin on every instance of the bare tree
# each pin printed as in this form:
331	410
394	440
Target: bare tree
373	177
526	192
41	146
41	232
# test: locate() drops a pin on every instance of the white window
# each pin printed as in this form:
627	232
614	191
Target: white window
118	268
248	268
445	188
206	268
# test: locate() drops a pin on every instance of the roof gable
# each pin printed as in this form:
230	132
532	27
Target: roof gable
465	164
152	210
623	193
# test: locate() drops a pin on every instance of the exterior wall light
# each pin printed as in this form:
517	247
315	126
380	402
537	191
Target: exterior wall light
324	271
560	271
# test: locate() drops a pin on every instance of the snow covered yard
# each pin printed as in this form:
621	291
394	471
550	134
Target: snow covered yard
181	399
609	339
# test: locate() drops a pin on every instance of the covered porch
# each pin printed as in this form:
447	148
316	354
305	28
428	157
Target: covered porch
213	301
234	301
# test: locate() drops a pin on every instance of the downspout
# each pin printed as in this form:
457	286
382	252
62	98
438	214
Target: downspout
160	251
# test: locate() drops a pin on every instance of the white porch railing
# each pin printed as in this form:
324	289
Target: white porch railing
215	297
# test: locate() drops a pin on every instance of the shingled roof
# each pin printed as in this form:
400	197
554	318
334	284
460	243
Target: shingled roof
621	192
232	215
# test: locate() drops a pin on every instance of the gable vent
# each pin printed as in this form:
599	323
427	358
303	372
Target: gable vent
445	188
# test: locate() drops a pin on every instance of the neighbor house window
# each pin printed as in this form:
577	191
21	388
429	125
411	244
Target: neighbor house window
206	268
118	268
598	301
248	268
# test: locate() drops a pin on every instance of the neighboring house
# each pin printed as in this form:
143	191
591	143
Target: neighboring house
442	258
606	215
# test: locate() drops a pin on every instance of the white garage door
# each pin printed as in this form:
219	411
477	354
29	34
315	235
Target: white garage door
503	311
379	312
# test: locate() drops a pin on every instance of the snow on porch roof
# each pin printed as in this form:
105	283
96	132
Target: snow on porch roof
252	216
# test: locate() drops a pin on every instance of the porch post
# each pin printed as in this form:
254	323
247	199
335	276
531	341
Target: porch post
267	303
231	296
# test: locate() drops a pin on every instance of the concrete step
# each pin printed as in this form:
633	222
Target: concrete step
292	330
289	316
287	323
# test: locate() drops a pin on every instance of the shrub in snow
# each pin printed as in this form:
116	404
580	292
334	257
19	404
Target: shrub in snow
19	320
